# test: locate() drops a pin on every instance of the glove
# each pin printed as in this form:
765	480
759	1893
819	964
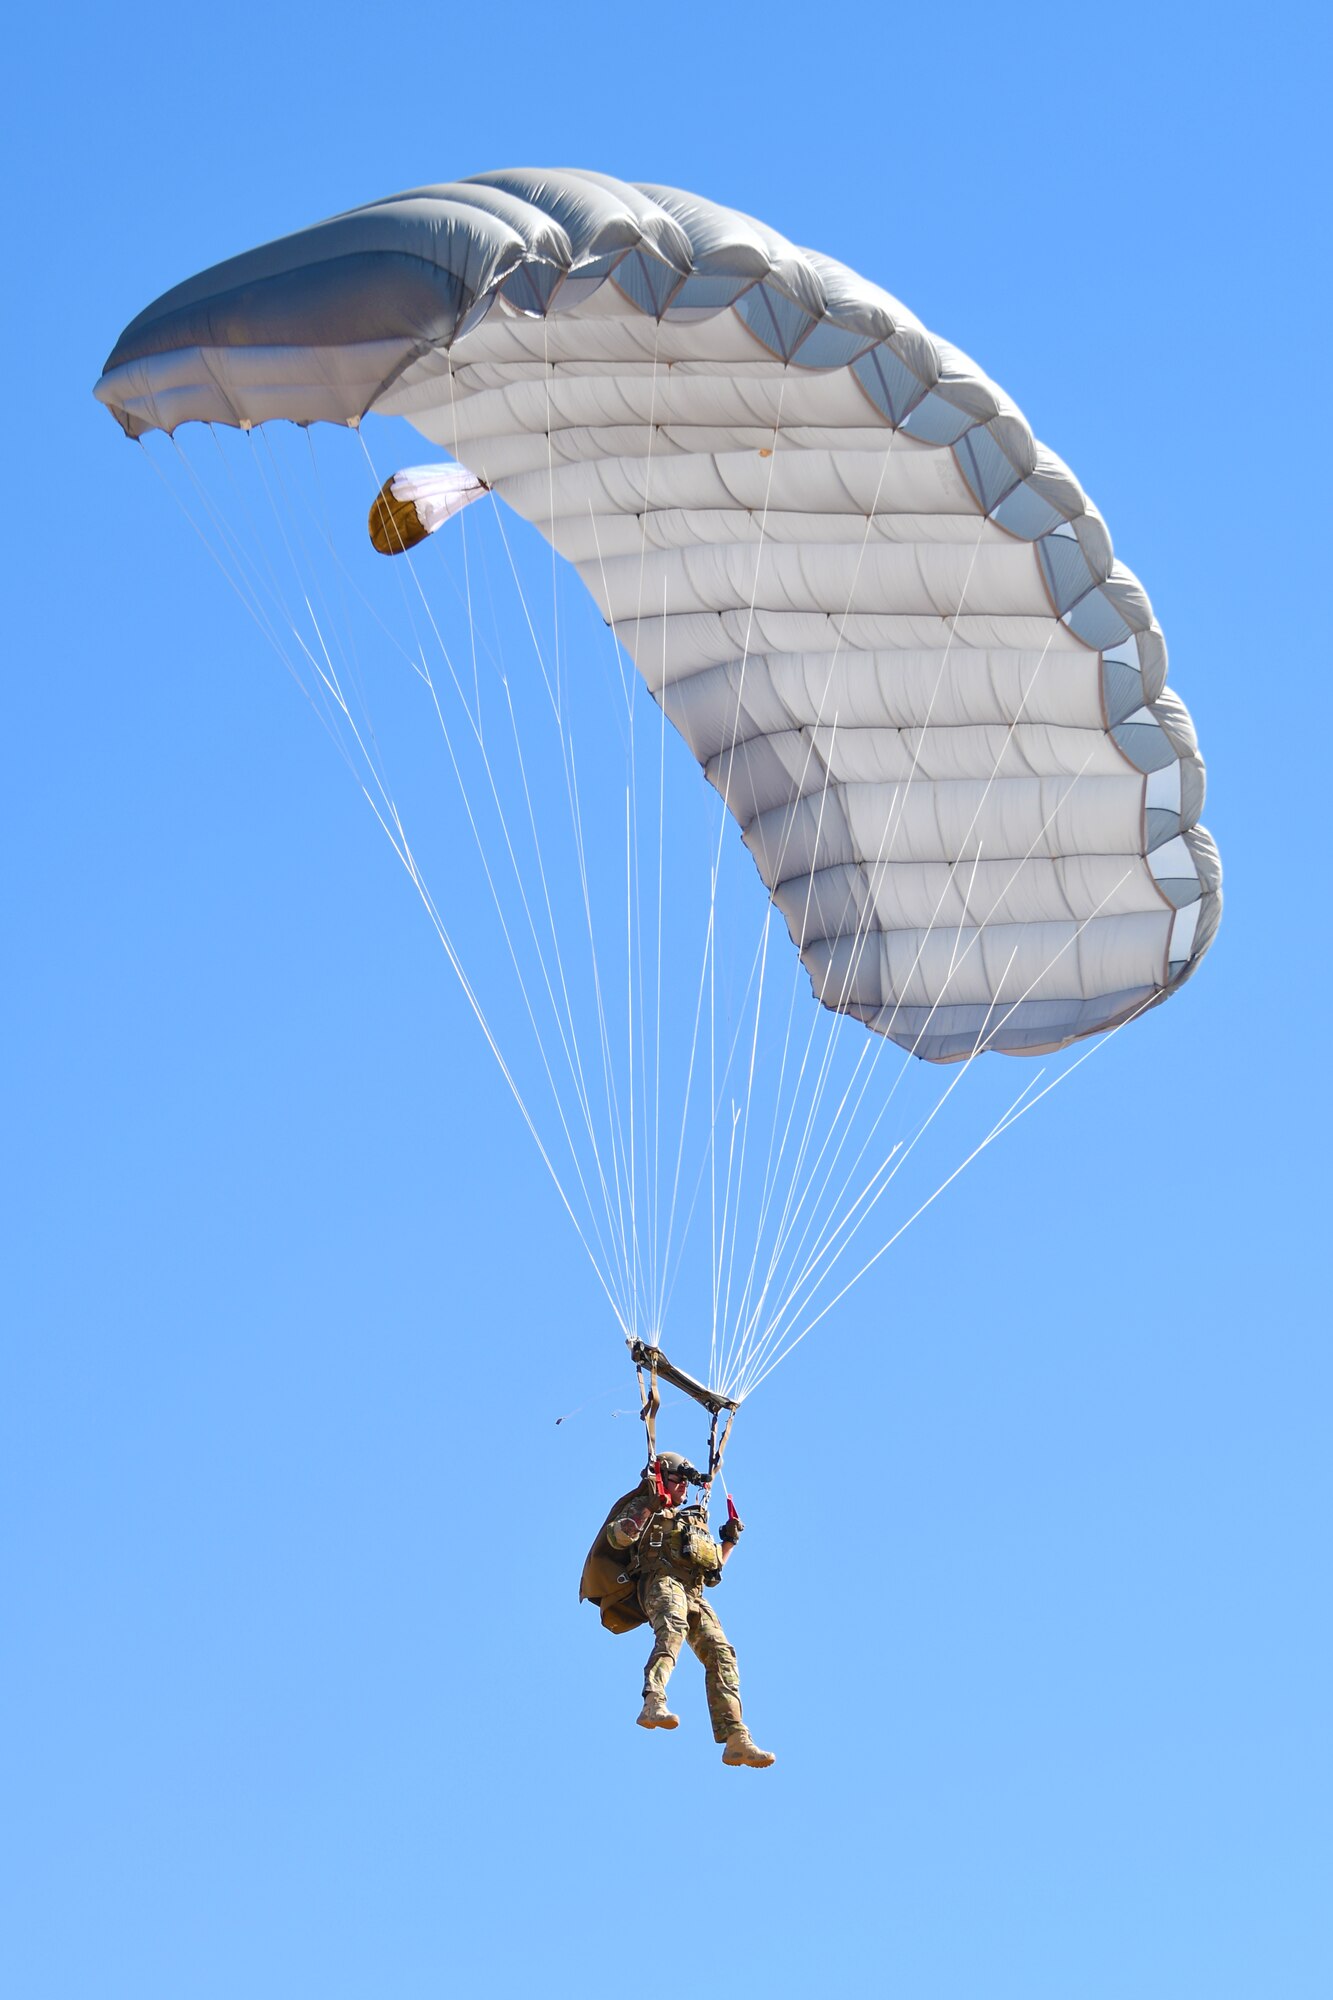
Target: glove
731	1531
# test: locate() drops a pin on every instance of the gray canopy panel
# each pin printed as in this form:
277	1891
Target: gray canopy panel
887	621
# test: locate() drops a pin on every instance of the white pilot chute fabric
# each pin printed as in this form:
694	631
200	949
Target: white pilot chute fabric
888	622
417	502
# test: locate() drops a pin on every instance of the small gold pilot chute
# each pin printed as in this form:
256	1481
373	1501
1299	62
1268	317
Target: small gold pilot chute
414	503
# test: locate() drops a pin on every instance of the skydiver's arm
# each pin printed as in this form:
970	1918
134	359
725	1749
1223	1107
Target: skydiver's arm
625	1530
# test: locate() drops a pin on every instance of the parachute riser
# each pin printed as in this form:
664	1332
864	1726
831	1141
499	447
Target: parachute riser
717	1445
645	1355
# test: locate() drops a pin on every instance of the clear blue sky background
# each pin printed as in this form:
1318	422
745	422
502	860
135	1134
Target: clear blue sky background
1034	1603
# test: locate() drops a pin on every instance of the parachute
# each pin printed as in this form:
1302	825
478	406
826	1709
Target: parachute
886	621
417	501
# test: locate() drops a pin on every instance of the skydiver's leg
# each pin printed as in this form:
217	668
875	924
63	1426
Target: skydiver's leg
667	1609
722	1683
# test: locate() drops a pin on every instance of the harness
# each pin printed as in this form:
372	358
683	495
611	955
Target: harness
678	1542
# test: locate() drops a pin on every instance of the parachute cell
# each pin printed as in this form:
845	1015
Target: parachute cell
889	624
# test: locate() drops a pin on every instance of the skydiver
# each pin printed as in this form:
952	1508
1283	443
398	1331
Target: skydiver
650	1565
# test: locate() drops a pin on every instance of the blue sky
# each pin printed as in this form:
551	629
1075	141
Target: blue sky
1033	1602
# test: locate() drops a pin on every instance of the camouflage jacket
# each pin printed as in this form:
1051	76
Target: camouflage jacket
615	1564
675	1539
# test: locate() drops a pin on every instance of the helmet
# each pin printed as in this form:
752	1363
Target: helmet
671	1465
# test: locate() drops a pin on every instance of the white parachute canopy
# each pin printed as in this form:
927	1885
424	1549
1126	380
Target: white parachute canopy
888	624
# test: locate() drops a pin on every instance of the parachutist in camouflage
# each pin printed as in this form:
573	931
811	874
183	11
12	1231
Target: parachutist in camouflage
650	1565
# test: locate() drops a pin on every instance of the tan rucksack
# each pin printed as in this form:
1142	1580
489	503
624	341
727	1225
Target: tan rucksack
606	1581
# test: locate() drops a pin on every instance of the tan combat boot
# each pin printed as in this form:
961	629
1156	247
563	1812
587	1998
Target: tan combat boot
655	1714
741	1748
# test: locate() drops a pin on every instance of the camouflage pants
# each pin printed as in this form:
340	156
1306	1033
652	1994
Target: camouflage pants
676	1615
